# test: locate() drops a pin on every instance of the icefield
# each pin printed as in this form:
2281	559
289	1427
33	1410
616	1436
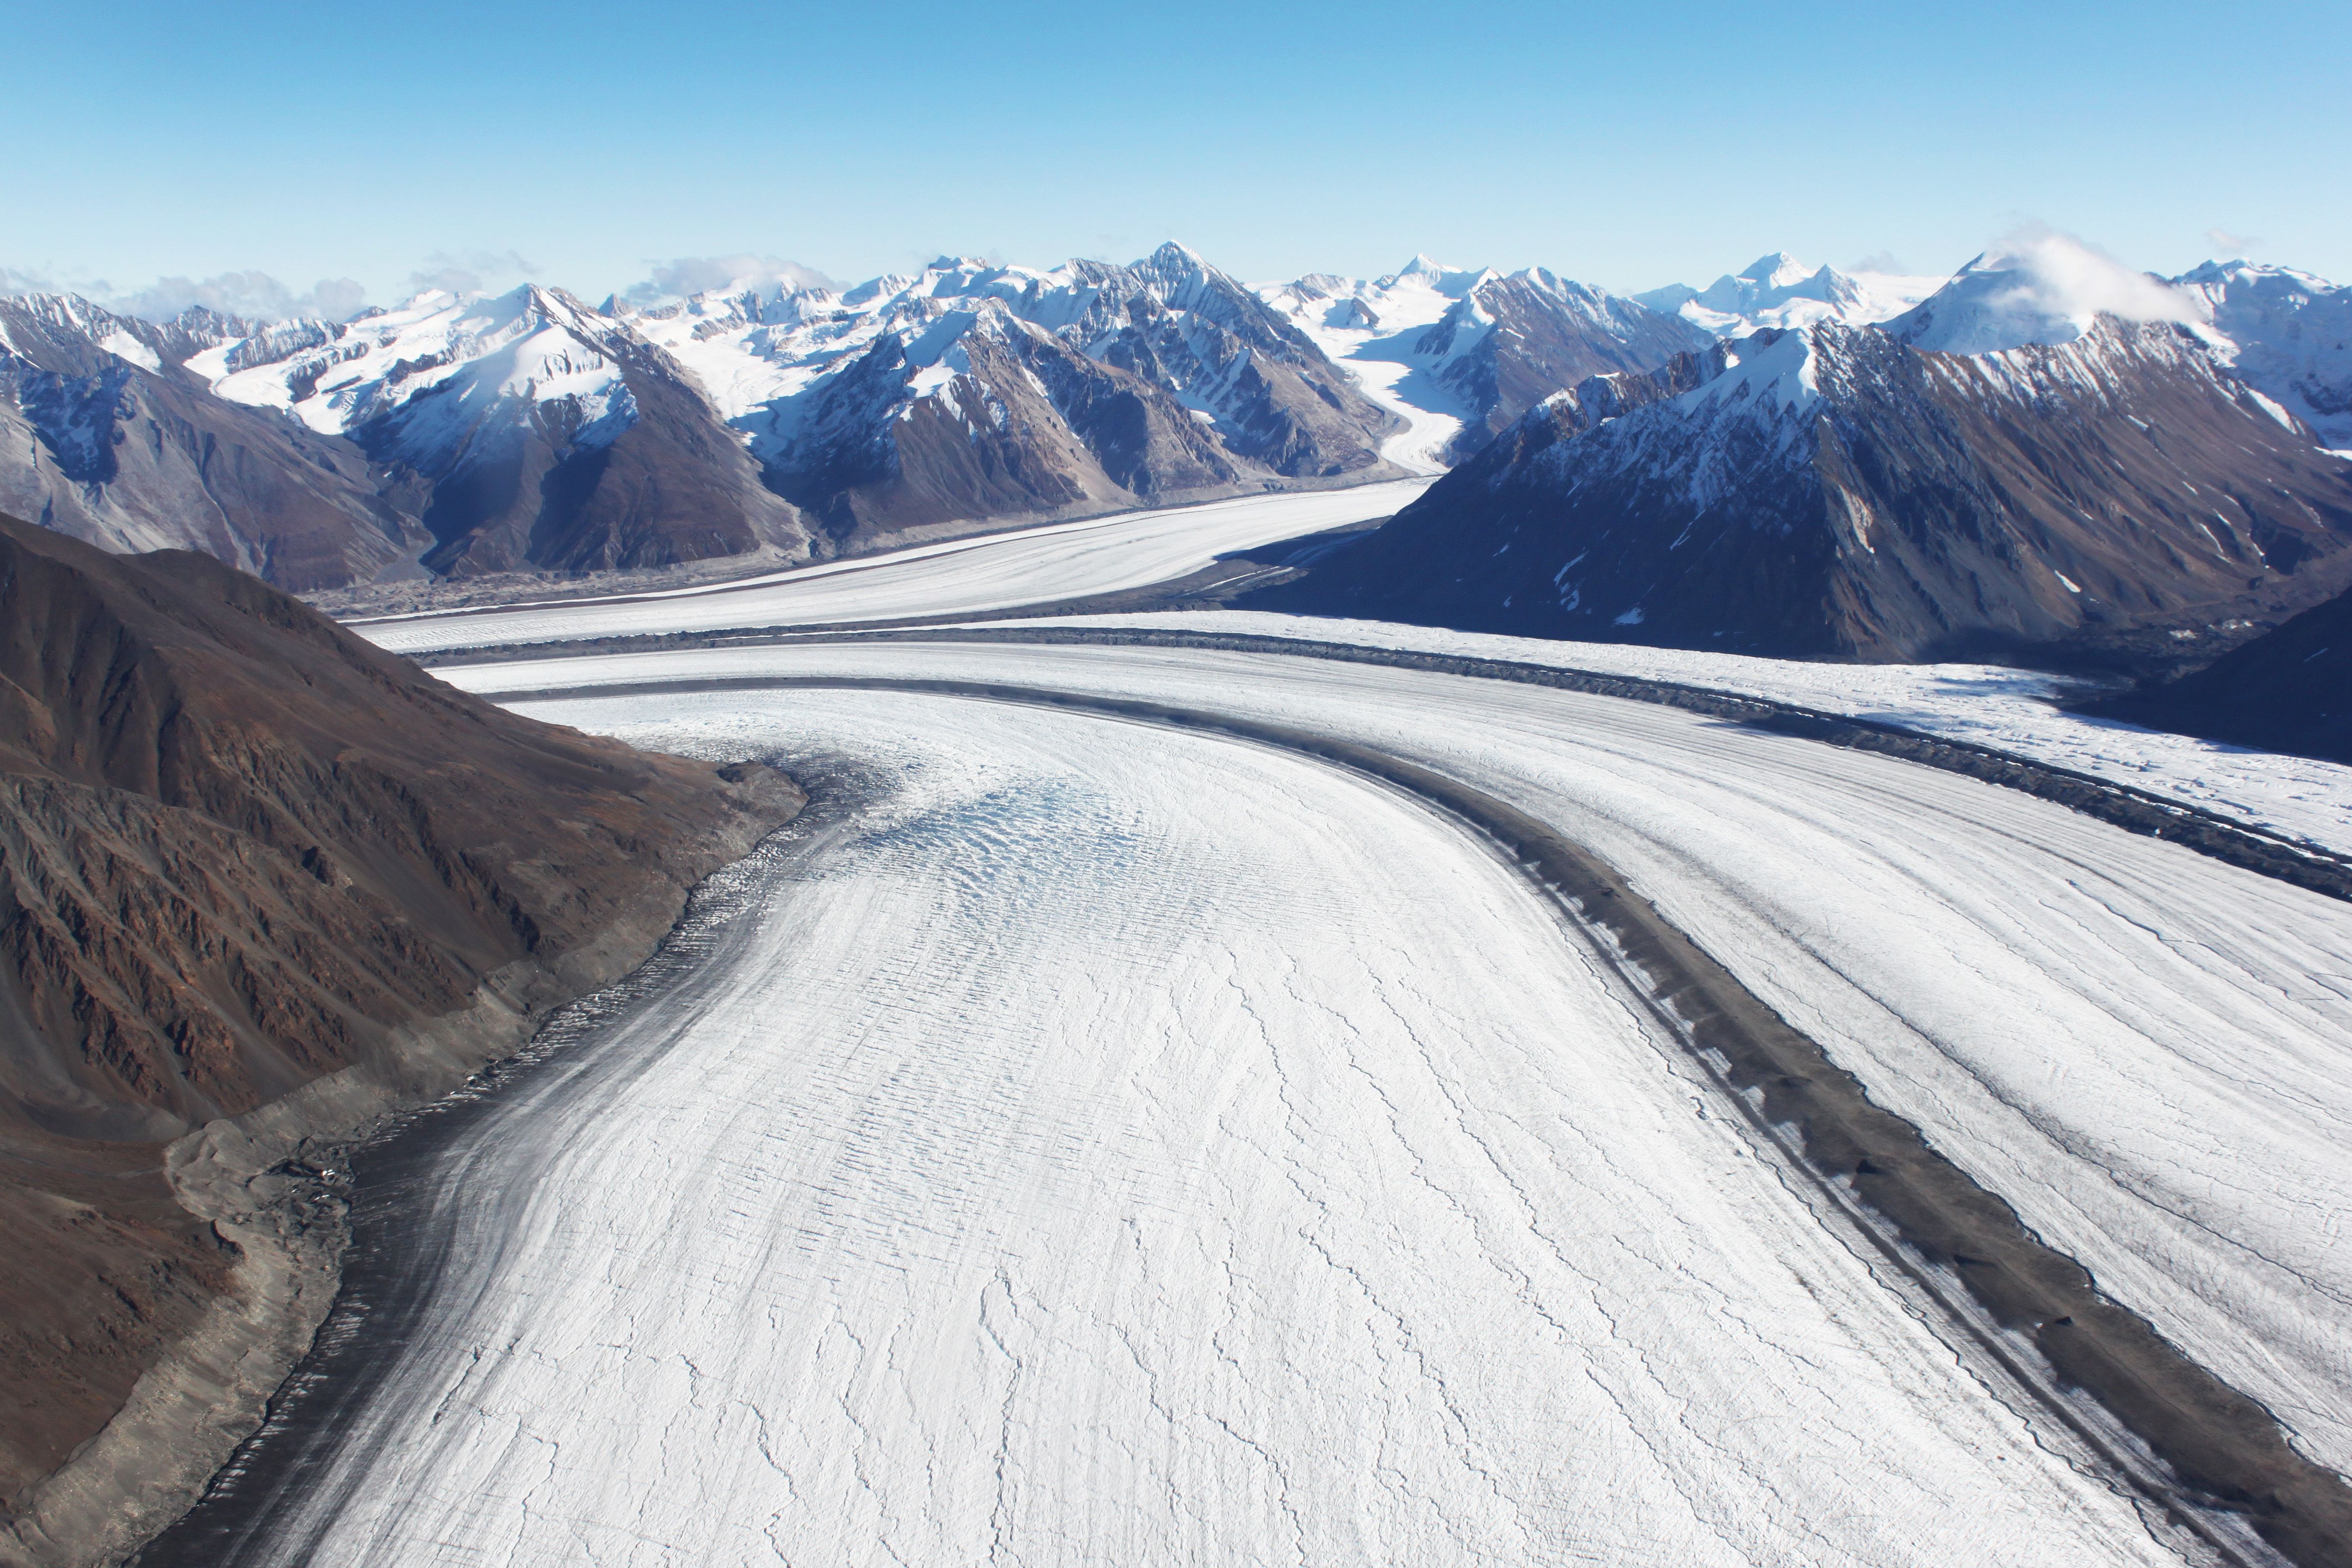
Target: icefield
2010	710
1118	1145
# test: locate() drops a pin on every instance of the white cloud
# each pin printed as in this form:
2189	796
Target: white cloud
2233	247
252	294
13	281
2039	286
2060	277
255	294
686	274
469	272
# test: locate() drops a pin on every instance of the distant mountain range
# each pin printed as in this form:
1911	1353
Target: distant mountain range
772	422
2023	464
1459	354
532	431
1778	290
783	420
969	391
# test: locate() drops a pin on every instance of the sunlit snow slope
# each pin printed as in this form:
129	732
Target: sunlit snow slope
1371	328
1131	1147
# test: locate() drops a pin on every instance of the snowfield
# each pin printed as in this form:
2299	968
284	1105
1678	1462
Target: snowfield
1369	326
1119	1145
964	576
1778	290
2143	1050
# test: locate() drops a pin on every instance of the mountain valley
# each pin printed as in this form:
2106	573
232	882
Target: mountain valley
1377	869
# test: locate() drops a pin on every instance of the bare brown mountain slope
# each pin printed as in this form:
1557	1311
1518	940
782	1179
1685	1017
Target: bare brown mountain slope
241	850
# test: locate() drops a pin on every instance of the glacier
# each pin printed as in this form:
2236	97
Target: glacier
1118	1145
2140	1048
1105	1141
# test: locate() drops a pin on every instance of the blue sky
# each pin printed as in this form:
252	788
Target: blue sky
1627	145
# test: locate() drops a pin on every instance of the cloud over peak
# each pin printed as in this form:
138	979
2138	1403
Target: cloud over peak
687	275
254	295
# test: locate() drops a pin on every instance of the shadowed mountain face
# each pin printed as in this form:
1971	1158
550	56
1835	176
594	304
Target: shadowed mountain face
1834	492
241	849
1514	340
104	435
2288	690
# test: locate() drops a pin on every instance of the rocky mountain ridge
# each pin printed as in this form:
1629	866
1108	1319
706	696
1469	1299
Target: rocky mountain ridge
538	432
971	390
1835	492
106	434
1476	348
530	431
248	863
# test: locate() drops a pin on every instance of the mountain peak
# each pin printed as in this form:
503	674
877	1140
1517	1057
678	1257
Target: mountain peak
1777	270
1899	504
2046	289
1173	256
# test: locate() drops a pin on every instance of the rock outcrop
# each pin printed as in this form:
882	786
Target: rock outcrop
258	882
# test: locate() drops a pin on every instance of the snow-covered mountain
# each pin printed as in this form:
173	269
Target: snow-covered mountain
1371	327
2051	289
1460	353
969	390
2286	333
2290	333
531	430
1778	291
783	418
108	436
1835	491
541	433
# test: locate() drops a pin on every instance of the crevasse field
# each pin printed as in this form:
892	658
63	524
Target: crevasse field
1108	1143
